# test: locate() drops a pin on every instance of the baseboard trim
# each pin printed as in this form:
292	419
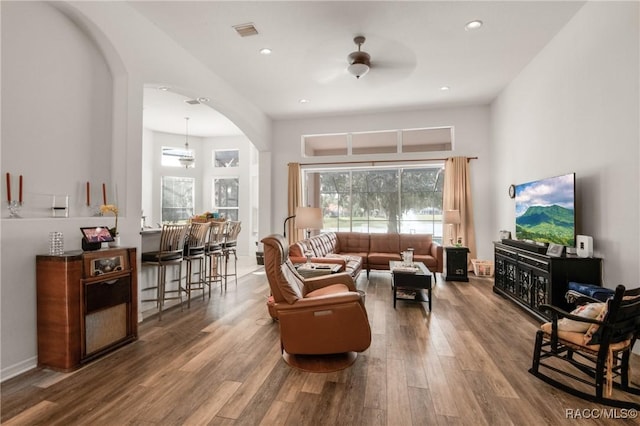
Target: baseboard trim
19	368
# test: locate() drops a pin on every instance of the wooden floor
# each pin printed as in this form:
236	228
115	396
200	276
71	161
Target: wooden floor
219	363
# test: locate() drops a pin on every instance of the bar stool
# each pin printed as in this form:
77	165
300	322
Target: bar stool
214	253
194	251
170	253
229	248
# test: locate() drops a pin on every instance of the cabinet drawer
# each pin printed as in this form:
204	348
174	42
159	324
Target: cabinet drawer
102	294
533	262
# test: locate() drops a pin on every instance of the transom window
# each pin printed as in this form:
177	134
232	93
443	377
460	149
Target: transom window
171	156
226	158
379	142
379	200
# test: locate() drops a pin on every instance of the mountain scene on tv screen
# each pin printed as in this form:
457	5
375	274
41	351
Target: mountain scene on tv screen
547	224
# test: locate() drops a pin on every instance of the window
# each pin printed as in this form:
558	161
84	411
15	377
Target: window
171	156
379	142
225	197
407	200
177	198
226	158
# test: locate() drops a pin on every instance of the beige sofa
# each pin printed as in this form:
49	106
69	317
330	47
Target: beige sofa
357	251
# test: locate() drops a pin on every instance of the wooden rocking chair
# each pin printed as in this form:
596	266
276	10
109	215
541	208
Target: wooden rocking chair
601	355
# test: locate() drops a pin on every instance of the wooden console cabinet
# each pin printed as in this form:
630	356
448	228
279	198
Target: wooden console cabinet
86	305
531	279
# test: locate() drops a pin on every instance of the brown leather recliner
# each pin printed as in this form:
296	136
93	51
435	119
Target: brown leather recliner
318	316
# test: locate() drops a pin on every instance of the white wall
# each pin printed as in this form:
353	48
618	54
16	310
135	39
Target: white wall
575	108
471	139
58	108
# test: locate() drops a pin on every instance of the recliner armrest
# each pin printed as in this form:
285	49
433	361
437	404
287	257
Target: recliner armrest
325	301
316	283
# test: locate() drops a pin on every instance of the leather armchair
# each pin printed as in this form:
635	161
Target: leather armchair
318	316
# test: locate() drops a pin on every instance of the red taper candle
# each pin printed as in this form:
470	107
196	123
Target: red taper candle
20	190
8	187
104	193
88	194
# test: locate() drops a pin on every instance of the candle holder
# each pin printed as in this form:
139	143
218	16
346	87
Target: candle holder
14	209
60	206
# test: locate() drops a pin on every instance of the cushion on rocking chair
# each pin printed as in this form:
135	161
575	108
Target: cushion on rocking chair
578	339
588	310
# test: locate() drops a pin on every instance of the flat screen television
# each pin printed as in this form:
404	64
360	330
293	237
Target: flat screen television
545	210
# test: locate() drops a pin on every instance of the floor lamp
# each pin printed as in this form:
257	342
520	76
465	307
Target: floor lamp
308	218
451	218
284	232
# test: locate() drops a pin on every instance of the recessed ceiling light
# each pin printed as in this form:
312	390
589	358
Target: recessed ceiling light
444	88
473	25
265	51
304	101
203	99
163	88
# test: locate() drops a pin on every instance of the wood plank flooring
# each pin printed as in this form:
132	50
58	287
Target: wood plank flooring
219	363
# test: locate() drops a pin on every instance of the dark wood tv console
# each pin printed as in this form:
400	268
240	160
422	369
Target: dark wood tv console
530	279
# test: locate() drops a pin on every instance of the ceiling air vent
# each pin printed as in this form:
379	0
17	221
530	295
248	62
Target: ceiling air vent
246	30
193	102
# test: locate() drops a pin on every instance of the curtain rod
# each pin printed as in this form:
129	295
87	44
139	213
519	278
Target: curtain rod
373	163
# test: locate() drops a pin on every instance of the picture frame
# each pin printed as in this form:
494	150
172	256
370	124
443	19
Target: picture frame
505	235
555	250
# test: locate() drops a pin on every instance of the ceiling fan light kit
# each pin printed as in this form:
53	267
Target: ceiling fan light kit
359	61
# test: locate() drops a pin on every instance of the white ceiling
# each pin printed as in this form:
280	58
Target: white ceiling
416	48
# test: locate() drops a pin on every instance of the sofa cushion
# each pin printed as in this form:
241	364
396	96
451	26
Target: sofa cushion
381	260
319	245
353	263
384	243
322	244
352	242
330	289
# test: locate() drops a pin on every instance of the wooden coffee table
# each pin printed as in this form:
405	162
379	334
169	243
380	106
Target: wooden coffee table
416	279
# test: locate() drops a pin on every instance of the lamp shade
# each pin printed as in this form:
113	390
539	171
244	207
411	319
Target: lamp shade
452	217
308	218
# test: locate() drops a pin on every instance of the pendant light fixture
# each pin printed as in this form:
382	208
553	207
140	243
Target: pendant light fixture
187	160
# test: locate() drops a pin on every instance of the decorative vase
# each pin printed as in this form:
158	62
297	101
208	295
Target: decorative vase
115	242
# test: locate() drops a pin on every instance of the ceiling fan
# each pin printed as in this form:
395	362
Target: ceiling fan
393	61
359	61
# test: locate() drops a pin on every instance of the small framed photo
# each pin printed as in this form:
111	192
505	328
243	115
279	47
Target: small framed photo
505	235
555	250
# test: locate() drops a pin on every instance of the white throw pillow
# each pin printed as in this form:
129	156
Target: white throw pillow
589	310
